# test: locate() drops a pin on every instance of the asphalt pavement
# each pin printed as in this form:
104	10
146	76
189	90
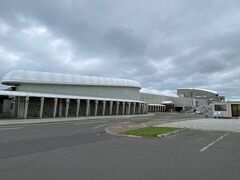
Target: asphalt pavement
82	150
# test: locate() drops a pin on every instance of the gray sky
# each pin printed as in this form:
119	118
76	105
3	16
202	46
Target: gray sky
162	44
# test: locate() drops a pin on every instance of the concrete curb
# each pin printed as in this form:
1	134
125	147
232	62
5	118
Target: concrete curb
5	122
158	136
131	136
170	133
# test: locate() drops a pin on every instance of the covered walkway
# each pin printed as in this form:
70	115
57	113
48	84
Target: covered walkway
43	105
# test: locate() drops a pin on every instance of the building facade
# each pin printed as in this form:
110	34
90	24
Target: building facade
229	109
202	96
46	95
33	94
169	103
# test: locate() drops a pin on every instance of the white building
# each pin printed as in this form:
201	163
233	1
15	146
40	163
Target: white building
227	109
43	95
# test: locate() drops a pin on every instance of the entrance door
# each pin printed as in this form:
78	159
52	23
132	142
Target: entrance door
235	110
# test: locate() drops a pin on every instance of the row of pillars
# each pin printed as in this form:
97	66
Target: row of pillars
141	107
155	108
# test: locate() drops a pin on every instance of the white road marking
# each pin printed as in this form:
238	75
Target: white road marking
89	122
101	126
10	128
215	141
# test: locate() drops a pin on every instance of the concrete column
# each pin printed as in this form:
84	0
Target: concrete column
104	107
78	107
19	107
139	108
110	108
143	108
41	107
88	107
14	106
67	107
129	107
60	108
96	108
117	108
55	107
26	107
134	108
123	108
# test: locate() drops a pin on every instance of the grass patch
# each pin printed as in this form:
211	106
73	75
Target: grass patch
150	131
142	120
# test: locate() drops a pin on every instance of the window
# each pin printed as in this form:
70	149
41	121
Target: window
220	108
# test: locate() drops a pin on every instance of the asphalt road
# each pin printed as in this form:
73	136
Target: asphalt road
82	150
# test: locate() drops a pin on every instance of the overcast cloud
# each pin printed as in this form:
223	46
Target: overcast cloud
162	44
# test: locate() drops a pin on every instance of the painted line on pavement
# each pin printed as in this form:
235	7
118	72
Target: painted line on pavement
214	142
89	122
10	128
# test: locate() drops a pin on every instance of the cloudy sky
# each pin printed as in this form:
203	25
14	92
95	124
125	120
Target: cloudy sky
162	44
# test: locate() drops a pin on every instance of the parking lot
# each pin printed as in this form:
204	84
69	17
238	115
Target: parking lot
209	124
82	150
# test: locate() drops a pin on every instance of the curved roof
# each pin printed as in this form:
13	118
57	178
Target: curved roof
199	89
34	77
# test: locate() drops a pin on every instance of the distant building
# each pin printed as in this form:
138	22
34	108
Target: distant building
171	103
202	96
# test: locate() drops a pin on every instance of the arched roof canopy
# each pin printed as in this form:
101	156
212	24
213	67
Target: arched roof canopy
17	77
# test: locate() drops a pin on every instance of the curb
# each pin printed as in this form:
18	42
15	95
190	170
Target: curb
170	133
6	122
131	136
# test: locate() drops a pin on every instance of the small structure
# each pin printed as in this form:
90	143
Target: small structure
169	105
229	109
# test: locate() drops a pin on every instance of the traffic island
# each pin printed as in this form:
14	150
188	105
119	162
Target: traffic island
152	132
